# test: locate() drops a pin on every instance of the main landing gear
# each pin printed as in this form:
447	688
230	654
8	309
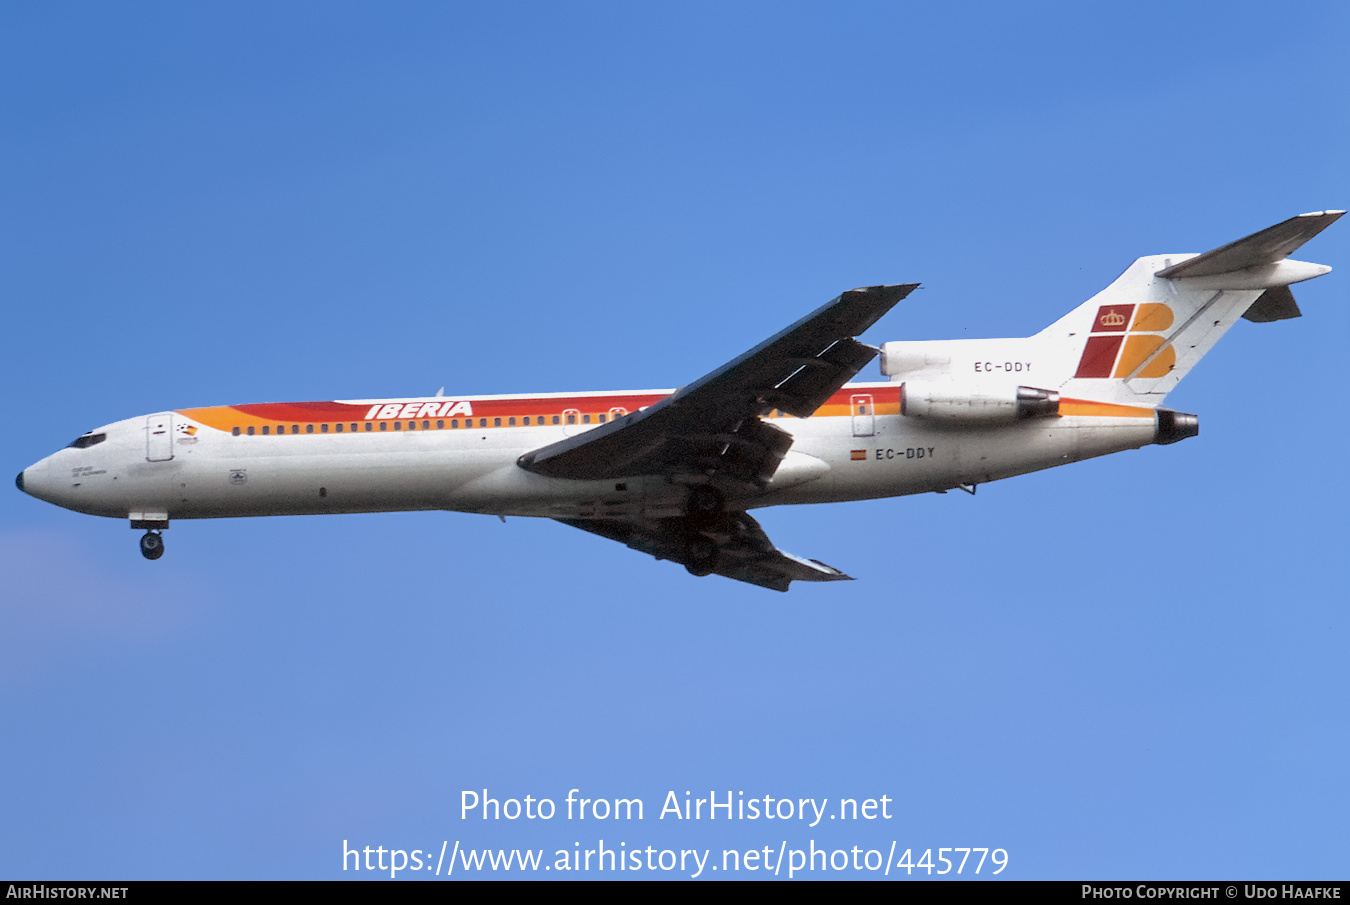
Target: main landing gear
705	503
152	545
705	508
700	556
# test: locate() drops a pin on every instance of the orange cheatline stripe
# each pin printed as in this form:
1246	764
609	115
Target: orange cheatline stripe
224	417
1102	409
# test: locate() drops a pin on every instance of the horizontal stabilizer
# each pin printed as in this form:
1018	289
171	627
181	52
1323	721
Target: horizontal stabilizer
1134	341
1269	246
1275	304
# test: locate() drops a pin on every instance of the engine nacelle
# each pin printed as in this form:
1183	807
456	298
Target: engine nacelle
1173	427
948	401
900	358
963	359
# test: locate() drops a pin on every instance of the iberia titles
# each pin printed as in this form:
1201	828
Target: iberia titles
436	409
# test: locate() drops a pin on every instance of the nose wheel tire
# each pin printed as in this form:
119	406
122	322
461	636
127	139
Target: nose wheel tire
152	545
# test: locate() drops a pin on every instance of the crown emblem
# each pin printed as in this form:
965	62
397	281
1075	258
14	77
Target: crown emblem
1113	319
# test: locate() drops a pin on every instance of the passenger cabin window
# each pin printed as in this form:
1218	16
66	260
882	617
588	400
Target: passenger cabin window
482	422
585	419
426	425
295	428
323	428
369	426
555	419
496	422
250	430
354	426
338	428
440	425
510	422
234	431
87	441
309	428
571	419
454	424
601	418
267	429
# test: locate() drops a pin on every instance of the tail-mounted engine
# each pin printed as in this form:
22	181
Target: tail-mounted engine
948	401
1173	427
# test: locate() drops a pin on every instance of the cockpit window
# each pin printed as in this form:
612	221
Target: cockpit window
87	440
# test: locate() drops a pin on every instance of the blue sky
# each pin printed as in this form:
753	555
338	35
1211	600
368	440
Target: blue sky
1133	667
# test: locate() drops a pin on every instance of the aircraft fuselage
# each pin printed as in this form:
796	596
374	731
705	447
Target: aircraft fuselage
673	473
461	454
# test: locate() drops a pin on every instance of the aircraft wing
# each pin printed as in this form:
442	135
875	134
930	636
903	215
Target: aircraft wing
734	545
713	426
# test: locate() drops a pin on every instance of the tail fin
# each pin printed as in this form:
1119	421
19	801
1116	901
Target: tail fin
1134	341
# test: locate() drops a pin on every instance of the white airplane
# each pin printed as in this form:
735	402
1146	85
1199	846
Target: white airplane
673	473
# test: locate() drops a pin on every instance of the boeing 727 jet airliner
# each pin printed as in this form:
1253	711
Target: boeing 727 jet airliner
674	473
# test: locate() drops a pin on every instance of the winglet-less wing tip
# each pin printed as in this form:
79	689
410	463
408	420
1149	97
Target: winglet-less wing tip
900	289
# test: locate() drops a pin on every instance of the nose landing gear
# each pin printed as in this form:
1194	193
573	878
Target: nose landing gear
152	545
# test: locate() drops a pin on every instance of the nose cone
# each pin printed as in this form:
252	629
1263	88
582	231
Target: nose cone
35	480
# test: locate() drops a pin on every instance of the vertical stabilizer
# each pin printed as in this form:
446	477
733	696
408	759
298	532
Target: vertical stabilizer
1134	341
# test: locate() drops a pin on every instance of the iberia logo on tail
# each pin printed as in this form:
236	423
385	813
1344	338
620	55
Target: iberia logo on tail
1112	350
